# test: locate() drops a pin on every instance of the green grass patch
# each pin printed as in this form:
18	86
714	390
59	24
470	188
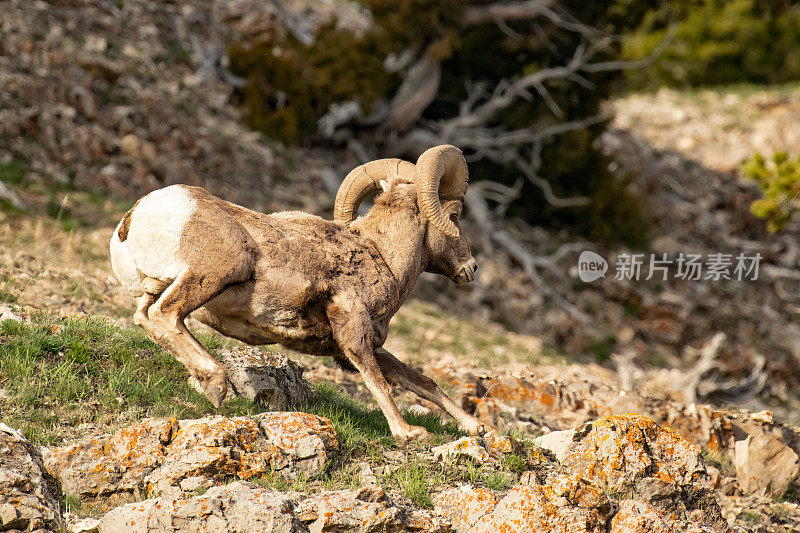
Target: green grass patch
361	427
60	373
80	370
414	478
12	172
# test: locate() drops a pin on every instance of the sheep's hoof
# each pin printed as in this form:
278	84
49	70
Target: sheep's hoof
215	395
216	388
413	433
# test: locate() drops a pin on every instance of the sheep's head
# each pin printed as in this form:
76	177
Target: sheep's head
440	177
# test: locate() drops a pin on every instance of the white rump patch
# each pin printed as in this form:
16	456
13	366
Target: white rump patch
157	224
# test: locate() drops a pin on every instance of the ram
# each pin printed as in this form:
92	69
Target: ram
317	286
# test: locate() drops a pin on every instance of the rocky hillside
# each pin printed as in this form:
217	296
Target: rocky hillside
102	101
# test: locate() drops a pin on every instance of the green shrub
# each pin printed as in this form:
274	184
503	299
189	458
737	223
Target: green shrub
779	181
718	42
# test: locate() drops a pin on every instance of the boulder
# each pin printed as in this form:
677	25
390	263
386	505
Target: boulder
239	507
764	462
630	455
265	377
465	507
28	499
170	457
242	507
306	441
362	510
636	516
566	504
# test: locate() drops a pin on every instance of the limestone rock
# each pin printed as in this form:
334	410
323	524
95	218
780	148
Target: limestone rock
764	462
305	440
498	445
479	449
244	507
471	447
635	516
557	442
86	525
28	501
464	507
166	456
362	510
6	313
566	504
115	465
239	507
213	448
268	378
632	455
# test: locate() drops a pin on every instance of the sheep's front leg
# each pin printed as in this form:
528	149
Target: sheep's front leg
402	375
352	330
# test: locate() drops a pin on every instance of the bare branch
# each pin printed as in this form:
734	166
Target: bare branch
506	11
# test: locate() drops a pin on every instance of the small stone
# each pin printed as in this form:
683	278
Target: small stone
129	145
557	442
87	525
500	444
764	462
6	313
8	514
367	476
470	447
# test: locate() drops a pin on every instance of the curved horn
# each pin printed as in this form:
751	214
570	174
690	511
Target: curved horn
363	181
441	175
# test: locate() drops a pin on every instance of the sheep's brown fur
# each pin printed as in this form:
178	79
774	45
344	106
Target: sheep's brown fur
313	285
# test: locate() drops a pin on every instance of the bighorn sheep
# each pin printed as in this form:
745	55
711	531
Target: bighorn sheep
313	285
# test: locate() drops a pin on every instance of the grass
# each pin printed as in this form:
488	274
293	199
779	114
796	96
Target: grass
414	479
427	331
64	372
361	428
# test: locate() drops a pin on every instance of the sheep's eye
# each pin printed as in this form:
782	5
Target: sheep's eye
454	217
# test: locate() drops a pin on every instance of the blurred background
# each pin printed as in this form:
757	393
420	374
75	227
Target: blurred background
618	127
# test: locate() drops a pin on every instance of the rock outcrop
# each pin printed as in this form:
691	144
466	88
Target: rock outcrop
239	507
242	507
624	469
171	457
566	504
28	499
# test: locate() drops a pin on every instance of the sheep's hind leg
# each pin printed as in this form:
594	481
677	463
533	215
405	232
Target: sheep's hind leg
164	323
402	375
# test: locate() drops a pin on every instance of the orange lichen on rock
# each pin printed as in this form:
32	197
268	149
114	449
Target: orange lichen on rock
565	505
465	506
636	516
165	456
618	450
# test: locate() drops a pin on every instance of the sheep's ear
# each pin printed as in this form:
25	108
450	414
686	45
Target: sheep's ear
384	185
